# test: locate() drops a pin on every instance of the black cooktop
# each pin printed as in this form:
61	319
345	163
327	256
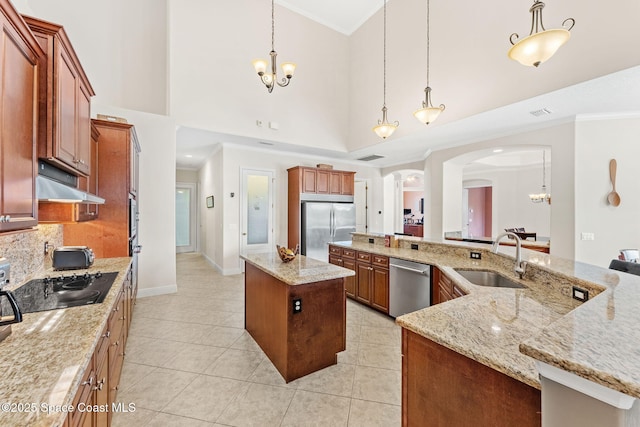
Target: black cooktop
70	290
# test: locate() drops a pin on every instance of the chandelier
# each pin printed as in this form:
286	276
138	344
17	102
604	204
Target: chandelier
543	196
541	44
261	65
428	113
384	129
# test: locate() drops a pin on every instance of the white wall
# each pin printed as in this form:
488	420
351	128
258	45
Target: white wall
220	176
122	46
615	228
186	175
214	85
156	202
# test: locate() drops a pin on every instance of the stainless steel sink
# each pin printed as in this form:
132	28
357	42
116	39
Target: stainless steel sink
489	278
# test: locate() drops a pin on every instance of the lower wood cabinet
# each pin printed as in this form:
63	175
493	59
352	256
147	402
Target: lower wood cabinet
370	285
100	383
444	289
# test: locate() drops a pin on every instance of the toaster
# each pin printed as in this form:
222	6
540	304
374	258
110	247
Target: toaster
72	257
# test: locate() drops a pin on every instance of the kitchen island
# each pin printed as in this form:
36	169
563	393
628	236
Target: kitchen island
296	311
46	357
513	331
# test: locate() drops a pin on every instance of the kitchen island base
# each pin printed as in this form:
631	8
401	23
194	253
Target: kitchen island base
296	343
443	388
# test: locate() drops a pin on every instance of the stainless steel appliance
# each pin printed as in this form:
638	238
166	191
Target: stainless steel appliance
64	291
72	257
323	223
7	301
409	286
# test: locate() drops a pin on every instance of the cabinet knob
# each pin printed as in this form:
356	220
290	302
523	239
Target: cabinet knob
107	335
99	385
88	382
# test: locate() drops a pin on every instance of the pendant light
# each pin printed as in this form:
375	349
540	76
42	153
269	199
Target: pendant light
428	113
384	129
541	44
260	65
543	196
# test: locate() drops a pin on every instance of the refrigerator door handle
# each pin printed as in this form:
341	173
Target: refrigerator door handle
332	224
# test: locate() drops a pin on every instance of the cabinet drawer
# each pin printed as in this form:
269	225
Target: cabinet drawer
334	250
364	256
349	253
446	283
381	261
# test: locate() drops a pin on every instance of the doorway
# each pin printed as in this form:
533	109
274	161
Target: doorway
256	210
186	209
360	198
477	208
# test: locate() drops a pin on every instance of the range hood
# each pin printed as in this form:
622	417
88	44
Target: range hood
55	185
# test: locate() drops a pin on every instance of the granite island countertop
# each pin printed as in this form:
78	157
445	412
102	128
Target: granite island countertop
508	329
43	360
300	271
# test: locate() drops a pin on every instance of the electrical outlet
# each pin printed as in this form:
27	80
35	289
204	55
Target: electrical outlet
580	294
475	255
414	246
297	305
587	236
372	241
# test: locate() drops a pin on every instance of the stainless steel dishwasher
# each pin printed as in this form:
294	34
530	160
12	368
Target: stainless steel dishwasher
409	286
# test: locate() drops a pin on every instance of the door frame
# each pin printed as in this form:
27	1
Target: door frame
242	235
193	217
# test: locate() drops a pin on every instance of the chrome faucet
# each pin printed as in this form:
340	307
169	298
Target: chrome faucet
520	266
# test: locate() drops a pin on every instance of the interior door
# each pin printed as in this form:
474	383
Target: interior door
185	217
256	211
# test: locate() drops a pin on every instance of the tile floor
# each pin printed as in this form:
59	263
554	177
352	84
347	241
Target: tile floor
190	363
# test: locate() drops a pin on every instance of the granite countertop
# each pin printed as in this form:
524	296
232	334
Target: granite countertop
43	360
508	329
300	271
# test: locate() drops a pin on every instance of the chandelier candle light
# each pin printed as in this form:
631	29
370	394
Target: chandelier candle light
428	113
384	129
541	44
543	196
261	65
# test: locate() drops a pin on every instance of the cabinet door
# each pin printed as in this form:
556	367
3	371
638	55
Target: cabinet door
308	180
363	282
65	108
83	143
134	160
18	99
348	183
335	182
350	282
380	289
322	182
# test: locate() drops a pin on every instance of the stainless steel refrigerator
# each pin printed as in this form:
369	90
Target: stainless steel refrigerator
323	223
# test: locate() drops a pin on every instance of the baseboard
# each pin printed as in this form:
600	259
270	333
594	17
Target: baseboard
160	290
227	272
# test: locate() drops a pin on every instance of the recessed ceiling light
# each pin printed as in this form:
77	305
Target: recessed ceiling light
498	150
188	155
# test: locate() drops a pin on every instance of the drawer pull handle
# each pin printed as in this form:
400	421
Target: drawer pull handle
89	382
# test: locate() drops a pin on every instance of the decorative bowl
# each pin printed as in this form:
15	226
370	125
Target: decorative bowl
287	254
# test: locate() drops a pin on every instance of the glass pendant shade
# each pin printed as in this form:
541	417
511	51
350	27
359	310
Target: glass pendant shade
288	68
385	130
260	65
539	47
427	115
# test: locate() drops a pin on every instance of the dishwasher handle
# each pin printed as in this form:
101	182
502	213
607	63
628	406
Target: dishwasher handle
402	267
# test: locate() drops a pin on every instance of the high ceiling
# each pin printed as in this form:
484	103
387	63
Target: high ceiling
616	94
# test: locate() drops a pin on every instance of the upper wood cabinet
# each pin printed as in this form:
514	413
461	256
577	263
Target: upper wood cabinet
323	181
19	56
64	131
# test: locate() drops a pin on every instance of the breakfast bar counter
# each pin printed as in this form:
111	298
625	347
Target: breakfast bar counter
296	311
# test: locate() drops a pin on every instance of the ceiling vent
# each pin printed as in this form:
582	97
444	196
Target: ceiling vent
265	143
370	158
541	112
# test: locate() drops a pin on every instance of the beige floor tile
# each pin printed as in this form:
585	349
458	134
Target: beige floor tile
133	372
194	358
316	409
384	336
354	332
234	320
267	373
336	380
237	364
373	414
246	342
221	336
377	385
257	405
139	417
157	389
153	352
205	398
350	355
164	420
380	356
376	319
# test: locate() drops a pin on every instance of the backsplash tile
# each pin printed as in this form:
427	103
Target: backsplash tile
25	250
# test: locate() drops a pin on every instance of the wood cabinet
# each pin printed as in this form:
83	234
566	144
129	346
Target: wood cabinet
414	230
19	57
445	289
307	180
64	129
443	388
345	258
118	154
372	280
